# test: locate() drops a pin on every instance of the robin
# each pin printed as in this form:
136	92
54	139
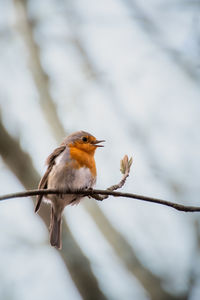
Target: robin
70	166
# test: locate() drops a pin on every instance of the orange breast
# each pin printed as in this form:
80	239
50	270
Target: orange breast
83	159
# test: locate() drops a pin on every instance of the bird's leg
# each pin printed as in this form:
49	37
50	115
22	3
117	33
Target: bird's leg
74	199
90	190
95	196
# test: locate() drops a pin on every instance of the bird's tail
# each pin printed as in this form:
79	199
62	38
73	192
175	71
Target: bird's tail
55	230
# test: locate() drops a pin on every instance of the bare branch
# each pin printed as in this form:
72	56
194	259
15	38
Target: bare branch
95	192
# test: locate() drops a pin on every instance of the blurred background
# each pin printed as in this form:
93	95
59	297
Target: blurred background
126	71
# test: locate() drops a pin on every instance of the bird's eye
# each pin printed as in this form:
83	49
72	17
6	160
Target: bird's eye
84	139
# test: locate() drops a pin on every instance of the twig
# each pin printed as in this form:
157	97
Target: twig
125	166
91	193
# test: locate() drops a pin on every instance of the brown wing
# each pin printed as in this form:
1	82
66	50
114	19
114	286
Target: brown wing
44	180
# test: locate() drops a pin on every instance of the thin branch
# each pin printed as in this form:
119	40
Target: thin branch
125	166
95	192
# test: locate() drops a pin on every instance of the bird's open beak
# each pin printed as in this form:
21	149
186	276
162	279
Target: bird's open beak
97	142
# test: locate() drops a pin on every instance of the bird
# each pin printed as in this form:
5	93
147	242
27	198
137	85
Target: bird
70	166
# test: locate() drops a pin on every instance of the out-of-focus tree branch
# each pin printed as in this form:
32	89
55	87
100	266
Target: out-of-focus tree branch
123	249
39	76
153	33
78	265
194	273
21	165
